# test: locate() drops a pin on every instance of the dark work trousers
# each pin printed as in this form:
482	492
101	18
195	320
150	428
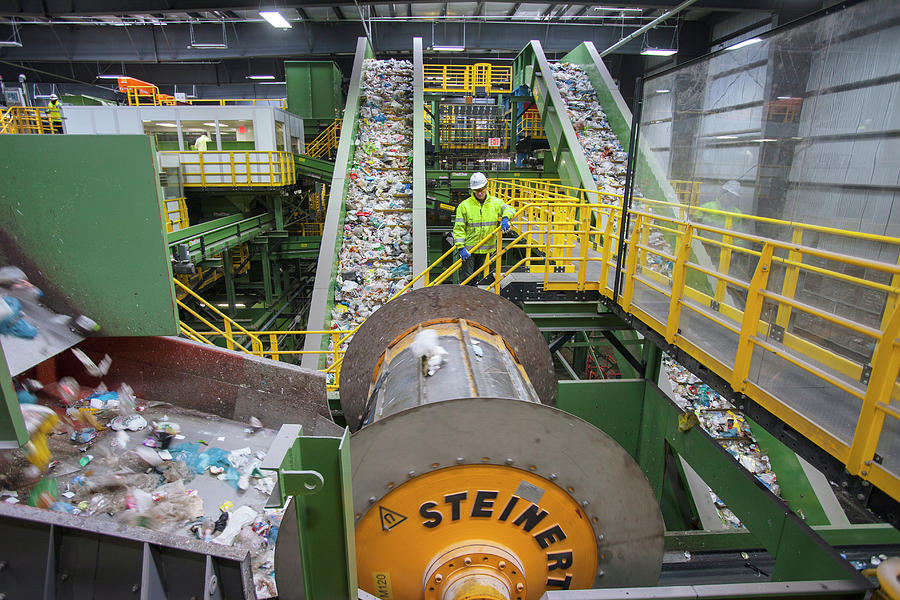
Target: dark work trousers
469	266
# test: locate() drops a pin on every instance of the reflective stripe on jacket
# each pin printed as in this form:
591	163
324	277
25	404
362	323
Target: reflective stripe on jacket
475	221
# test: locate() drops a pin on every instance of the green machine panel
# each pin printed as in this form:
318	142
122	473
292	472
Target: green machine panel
82	216
313	89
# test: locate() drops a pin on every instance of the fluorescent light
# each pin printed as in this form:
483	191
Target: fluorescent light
10	44
236	305
208	45
746	42
663	91
167	124
110	76
788	98
726	137
659	51
210	124
275	19
438	48
260	77
765	140
273	83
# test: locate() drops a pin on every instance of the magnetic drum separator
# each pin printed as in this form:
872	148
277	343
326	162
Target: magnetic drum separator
467	482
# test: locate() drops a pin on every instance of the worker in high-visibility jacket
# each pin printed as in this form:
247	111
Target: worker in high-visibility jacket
476	217
53	110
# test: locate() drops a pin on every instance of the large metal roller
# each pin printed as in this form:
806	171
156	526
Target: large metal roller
464	484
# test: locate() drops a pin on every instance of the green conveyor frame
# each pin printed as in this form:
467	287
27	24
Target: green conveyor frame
332	235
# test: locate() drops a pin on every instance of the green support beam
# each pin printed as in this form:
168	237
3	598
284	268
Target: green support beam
300	247
316	168
315	471
228	276
213	237
645	422
12	426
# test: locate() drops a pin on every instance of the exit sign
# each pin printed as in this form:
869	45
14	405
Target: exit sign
493	142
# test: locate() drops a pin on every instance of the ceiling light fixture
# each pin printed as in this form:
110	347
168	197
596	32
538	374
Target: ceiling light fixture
209	45
663	91
110	76
273	83
438	48
275	19
260	77
659	51
747	42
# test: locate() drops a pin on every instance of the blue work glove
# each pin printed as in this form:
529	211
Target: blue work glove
504	224
464	254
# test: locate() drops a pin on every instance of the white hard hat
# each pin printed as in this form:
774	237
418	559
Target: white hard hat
54	97
477	181
733	187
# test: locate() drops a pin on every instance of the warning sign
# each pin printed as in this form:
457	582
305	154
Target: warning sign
493	142
389	518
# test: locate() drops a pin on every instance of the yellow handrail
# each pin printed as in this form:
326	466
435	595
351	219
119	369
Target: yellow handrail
176	218
560	226
530	125
237	168
26	119
277	102
326	142
468	79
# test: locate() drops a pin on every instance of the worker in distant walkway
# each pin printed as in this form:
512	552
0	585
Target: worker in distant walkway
55	117
738	263
202	141
476	217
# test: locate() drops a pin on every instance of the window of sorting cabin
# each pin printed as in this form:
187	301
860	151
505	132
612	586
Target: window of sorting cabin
237	134
191	130
164	132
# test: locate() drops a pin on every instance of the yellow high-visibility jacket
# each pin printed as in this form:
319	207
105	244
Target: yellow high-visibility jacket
53	109
475	221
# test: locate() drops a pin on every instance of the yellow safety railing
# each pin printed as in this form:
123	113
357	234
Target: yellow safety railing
148	95
237	168
530	125
746	291
176	216
203	277
326	142
276	102
468	79
236	336
688	192
461	130
25	119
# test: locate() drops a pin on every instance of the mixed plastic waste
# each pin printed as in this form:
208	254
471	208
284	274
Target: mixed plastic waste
603	151
726	424
605	156
134	460
17	293
376	254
